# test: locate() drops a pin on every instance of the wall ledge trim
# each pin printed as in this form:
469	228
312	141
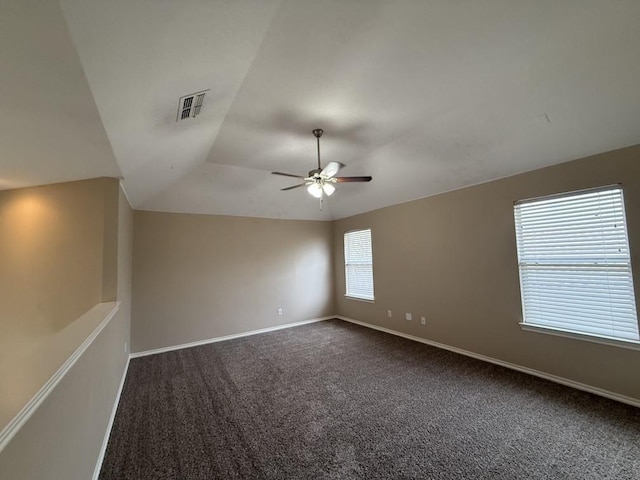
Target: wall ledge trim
228	337
536	373
105	441
32	405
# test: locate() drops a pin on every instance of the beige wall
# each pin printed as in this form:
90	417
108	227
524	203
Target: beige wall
62	439
57	255
452	258
125	263
201	276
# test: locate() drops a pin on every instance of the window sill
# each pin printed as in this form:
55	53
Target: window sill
359	299
630	344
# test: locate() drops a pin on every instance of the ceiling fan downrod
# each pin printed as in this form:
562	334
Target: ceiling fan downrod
318	133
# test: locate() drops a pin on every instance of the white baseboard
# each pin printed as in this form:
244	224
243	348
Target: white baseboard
537	373
105	441
227	337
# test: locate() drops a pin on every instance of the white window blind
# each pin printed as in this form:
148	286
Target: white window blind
575	267
358	264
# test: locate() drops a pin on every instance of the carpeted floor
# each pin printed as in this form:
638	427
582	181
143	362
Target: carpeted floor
332	400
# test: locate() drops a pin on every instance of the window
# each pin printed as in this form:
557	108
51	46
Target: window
358	264
575	267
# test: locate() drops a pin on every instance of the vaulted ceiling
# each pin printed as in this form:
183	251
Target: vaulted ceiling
424	96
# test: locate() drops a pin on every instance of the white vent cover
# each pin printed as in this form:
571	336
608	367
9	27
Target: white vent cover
190	105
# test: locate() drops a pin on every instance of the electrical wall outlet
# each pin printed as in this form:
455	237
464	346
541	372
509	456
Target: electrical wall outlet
408	316
125	347
423	320
389	313
279	312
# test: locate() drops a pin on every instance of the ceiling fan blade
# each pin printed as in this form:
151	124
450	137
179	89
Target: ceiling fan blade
331	169
294	186
287	174
352	179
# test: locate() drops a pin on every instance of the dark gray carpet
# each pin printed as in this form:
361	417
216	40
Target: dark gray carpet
333	400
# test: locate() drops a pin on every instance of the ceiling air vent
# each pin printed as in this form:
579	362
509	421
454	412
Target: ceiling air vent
190	105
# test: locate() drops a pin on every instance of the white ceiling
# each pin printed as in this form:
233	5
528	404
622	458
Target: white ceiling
424	96
50	129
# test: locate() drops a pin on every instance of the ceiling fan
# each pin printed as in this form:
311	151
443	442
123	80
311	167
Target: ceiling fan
321	180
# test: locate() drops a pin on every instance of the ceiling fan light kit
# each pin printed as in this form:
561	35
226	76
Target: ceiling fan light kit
320	181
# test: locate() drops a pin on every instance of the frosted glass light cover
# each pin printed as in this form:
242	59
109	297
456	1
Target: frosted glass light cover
315	190
328	189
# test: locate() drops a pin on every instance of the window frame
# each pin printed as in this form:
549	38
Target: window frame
353	296
566	332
